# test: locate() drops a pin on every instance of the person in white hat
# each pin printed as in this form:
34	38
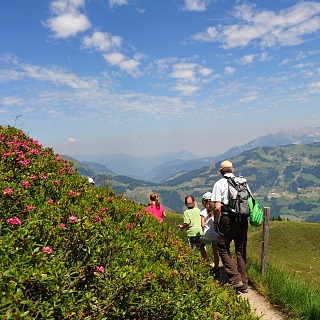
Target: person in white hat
209	236
229	229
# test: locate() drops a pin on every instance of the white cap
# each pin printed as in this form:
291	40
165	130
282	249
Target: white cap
91	180
207	196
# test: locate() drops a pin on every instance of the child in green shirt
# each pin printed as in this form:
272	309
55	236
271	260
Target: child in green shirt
192	222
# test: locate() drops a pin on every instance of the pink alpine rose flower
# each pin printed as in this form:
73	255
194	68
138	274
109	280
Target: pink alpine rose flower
47	250
100	269
72	219
25	162
51	201
14	221
62	226
175	271
8	191
26	184
30	208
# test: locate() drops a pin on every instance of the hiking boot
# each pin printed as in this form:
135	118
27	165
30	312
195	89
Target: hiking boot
235	285
243	290
215	272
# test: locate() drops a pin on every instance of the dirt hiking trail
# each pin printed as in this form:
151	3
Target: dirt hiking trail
258	303
261	306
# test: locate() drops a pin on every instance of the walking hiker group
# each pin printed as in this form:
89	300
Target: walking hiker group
223	220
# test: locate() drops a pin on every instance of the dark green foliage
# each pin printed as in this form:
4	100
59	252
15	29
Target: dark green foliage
312	170
304	183
313	218
289	171
302	206
69	250
173	199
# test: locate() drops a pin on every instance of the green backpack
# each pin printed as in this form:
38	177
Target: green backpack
256	217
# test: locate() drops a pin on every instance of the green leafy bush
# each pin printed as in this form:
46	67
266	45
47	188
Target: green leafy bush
71	251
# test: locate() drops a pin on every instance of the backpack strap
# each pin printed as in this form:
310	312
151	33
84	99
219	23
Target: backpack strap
228	207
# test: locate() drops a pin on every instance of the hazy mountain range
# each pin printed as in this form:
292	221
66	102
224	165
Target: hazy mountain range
286	177
158	168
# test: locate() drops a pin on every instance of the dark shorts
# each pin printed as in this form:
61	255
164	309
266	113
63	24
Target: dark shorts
194	242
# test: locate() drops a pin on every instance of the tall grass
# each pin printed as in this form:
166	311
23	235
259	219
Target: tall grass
286	292
292	280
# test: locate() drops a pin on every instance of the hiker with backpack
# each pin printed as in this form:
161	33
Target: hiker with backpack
231	213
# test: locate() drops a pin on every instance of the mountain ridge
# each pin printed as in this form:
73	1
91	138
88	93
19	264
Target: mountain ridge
158	168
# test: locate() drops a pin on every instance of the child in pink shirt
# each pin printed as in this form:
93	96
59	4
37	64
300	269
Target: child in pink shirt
155	207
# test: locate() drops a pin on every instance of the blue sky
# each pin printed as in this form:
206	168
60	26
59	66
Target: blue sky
146	77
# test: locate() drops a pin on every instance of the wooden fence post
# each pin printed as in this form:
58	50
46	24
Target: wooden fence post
265	240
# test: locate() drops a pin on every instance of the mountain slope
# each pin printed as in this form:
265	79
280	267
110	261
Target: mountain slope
282	137
285	178
135	167
97	167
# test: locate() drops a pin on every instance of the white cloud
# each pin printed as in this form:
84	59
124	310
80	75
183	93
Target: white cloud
68	20
11	101
210	35
184	71
114	3
186	89
285	61
130	66
71	140
229	70
247	59
248	99
189	71
195	5
303	65
114	58
288	27
264	56
56	75
315	85
205	71
101	41
9	75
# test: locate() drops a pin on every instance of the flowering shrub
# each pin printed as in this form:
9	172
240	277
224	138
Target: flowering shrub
72	251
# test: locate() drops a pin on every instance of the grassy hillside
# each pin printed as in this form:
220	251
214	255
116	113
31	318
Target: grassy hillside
293	247
71	251
286	178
